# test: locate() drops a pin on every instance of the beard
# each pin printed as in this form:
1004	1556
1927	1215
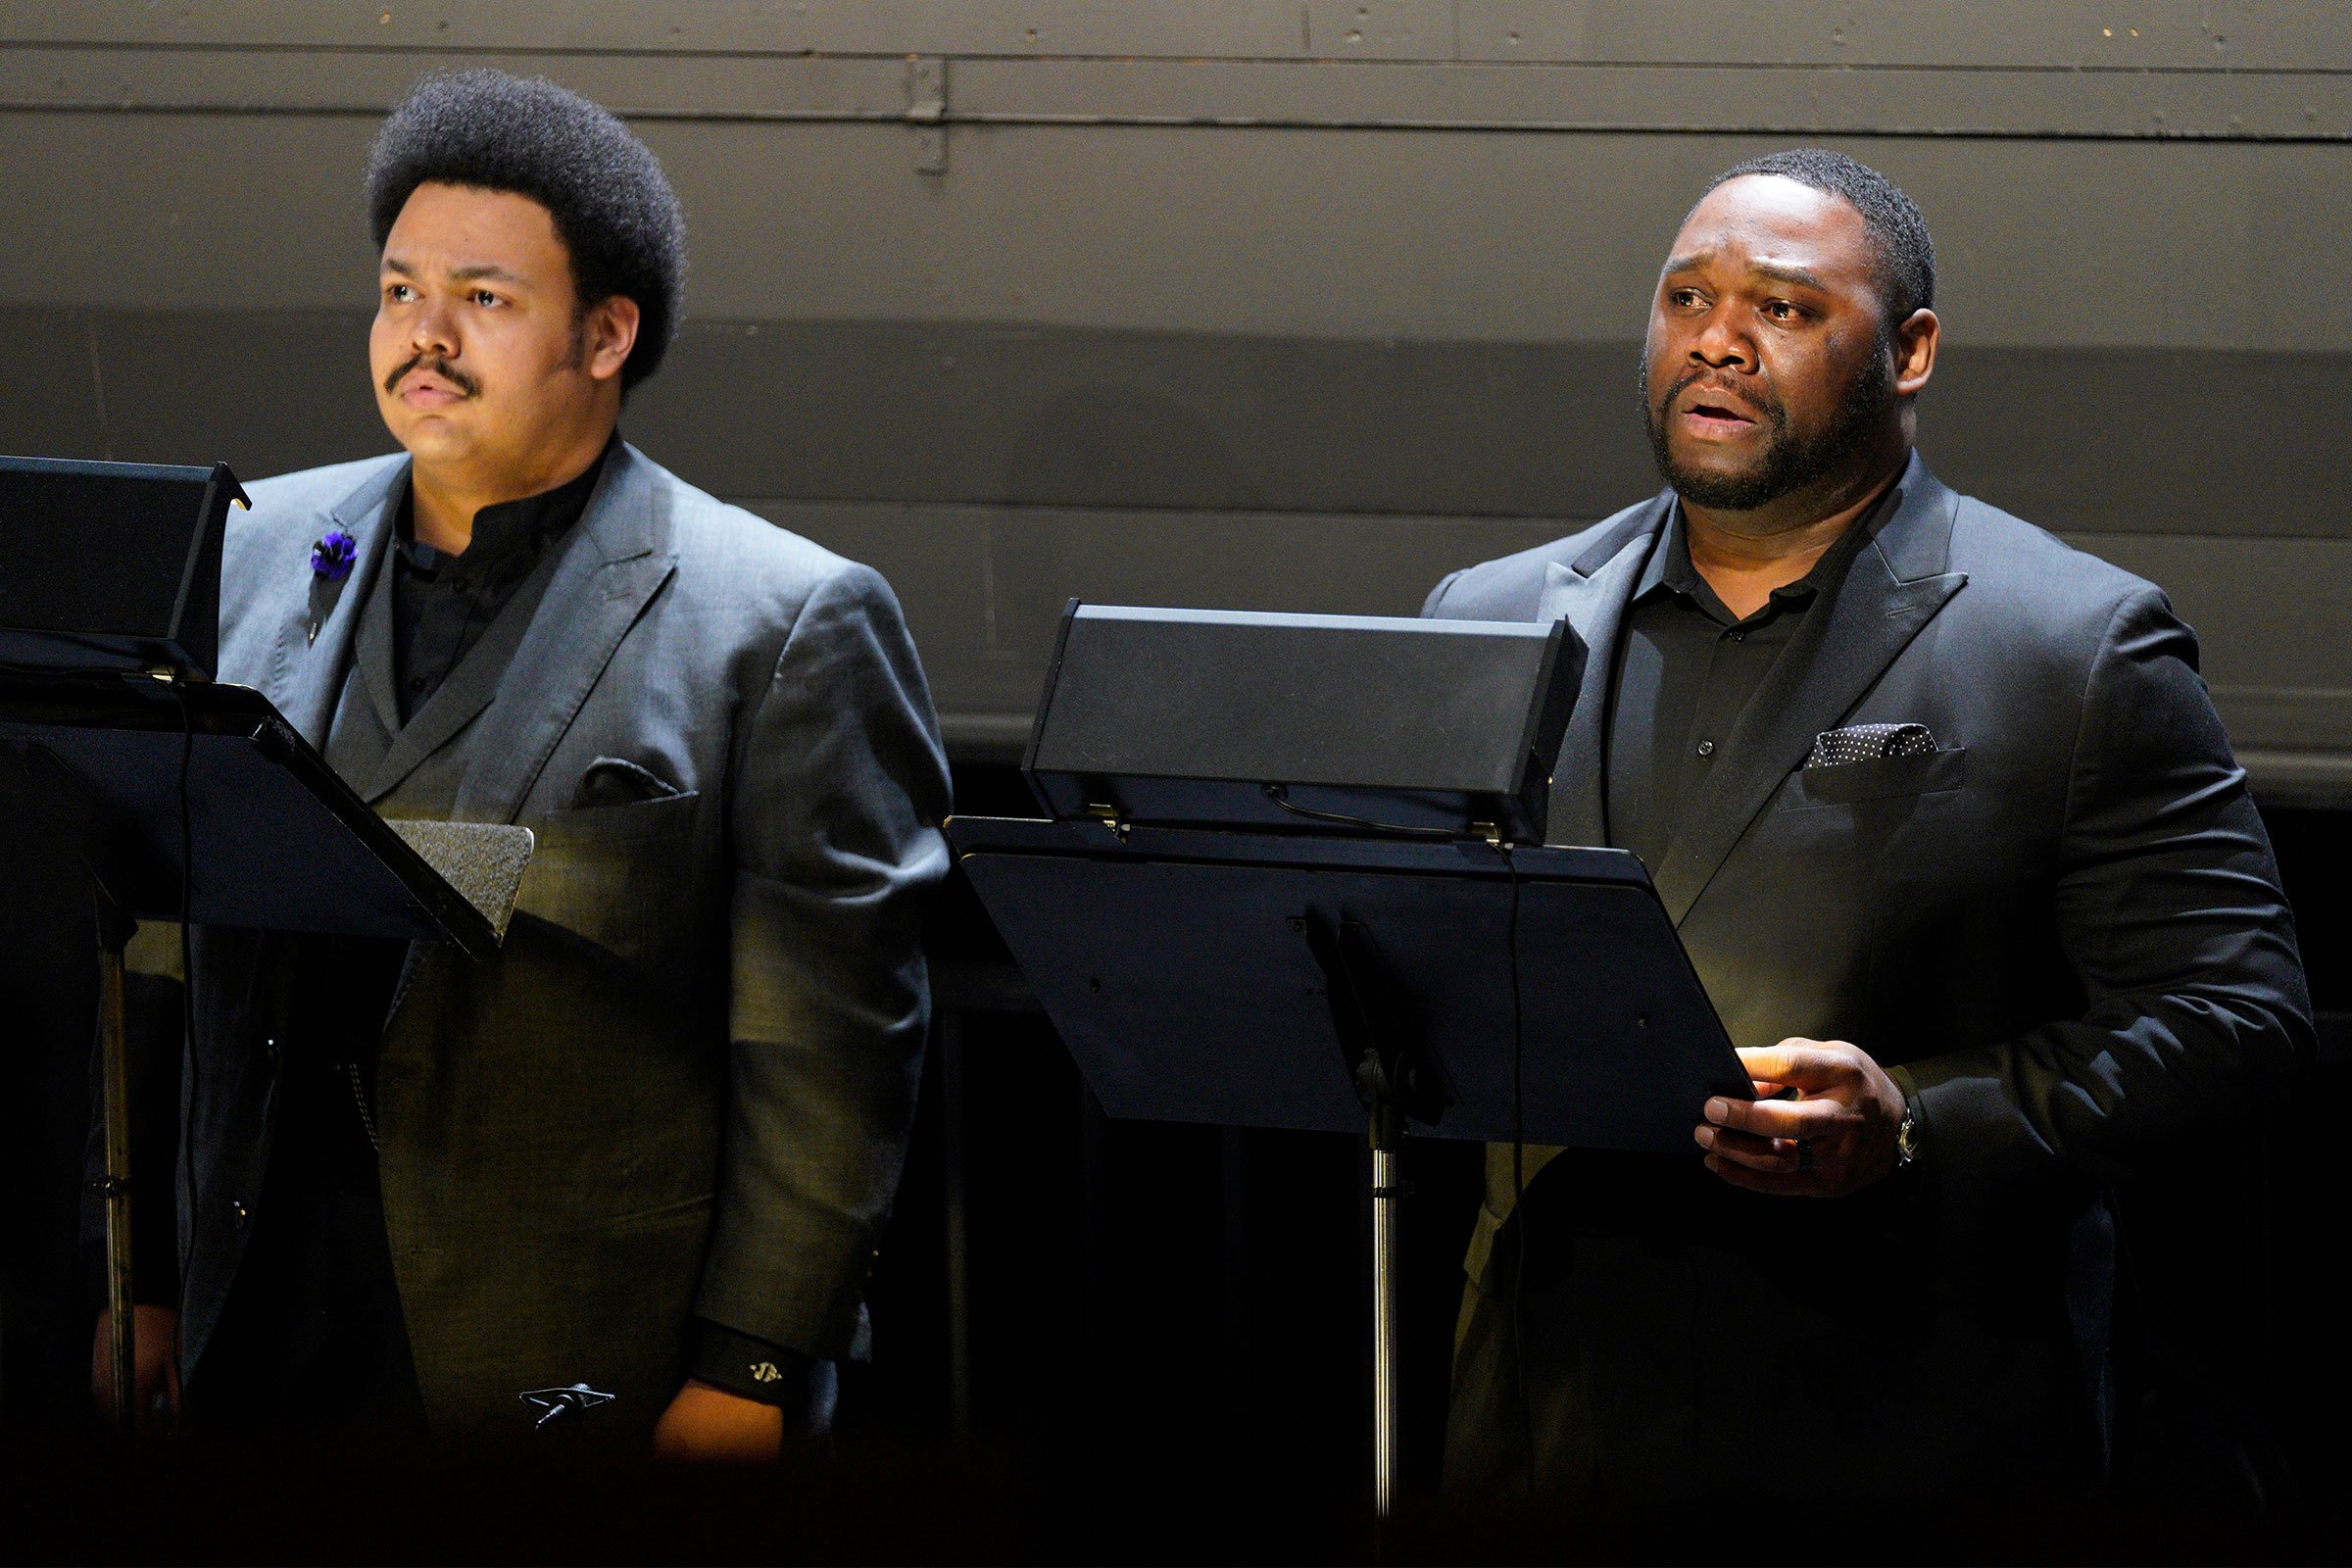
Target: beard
1788	462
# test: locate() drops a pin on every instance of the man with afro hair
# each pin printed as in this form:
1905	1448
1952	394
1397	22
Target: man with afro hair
650	1145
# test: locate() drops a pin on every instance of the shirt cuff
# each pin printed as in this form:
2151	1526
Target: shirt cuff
794	1382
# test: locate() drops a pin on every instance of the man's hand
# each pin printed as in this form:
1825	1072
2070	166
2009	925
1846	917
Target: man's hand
706	1424
154	1369
1836	1136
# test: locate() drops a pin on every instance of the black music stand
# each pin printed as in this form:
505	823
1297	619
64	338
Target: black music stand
189	800
1385	957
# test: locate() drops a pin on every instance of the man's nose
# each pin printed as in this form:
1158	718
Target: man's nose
1719	347
433	331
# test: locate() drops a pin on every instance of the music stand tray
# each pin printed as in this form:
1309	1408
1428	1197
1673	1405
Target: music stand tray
194	800
282	843
1332	983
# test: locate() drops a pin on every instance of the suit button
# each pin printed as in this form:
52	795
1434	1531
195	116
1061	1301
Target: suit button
239	1214
1706	747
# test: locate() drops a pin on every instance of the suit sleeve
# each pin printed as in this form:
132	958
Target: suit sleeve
2172	917
1437	594
836	816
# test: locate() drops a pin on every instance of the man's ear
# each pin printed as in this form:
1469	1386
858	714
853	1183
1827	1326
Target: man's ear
609	332
1915	352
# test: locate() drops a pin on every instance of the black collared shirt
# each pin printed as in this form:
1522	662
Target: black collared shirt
1689	669
442	604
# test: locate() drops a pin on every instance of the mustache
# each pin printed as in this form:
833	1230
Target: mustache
439	367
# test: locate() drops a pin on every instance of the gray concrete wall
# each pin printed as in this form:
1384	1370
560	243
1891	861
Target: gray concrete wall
1260	305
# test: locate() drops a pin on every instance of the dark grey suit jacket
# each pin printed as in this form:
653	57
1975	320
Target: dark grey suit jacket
684	1087
2063	930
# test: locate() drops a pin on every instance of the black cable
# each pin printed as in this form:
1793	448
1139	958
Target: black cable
1279	795
1527	1414
187	1004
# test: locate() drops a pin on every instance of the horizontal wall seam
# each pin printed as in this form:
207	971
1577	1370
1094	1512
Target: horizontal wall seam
1824	127
8	46
2173	33
2060	103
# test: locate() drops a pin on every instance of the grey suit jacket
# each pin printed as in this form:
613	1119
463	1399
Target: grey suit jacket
2063	929
684	1087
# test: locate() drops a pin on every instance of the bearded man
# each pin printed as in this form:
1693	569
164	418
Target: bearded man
1948	825
648	1147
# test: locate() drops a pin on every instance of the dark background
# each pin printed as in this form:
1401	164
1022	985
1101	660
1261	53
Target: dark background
1265	306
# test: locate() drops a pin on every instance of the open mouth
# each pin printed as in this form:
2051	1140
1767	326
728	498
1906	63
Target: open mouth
1717	415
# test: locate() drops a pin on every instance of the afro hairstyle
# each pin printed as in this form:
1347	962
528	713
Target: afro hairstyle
612	206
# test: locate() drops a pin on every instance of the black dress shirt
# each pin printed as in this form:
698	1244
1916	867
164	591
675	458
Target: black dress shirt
442	604
1689	670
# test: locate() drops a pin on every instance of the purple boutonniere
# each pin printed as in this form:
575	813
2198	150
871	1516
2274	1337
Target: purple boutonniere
331	557
332	561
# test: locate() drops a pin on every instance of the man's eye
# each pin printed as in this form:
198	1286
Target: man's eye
398	293
1783	311
1685	297
482	296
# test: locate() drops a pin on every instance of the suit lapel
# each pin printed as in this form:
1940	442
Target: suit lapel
311	668
372	648
1894	586
1591	593
602	583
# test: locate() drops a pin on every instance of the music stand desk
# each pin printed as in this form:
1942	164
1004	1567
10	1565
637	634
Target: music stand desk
278	842
1313	980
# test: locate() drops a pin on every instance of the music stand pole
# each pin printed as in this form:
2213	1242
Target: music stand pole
114	1185
1388	1188
1375	1028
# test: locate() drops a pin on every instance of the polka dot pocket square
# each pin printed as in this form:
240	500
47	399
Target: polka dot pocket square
1869	742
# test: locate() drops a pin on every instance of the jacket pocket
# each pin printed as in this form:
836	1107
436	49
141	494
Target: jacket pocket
620	875
624	822
1928	773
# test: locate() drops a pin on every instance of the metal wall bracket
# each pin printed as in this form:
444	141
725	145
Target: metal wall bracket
927	112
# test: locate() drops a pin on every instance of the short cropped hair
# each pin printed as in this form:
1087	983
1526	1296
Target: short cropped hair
612	206
1903	252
